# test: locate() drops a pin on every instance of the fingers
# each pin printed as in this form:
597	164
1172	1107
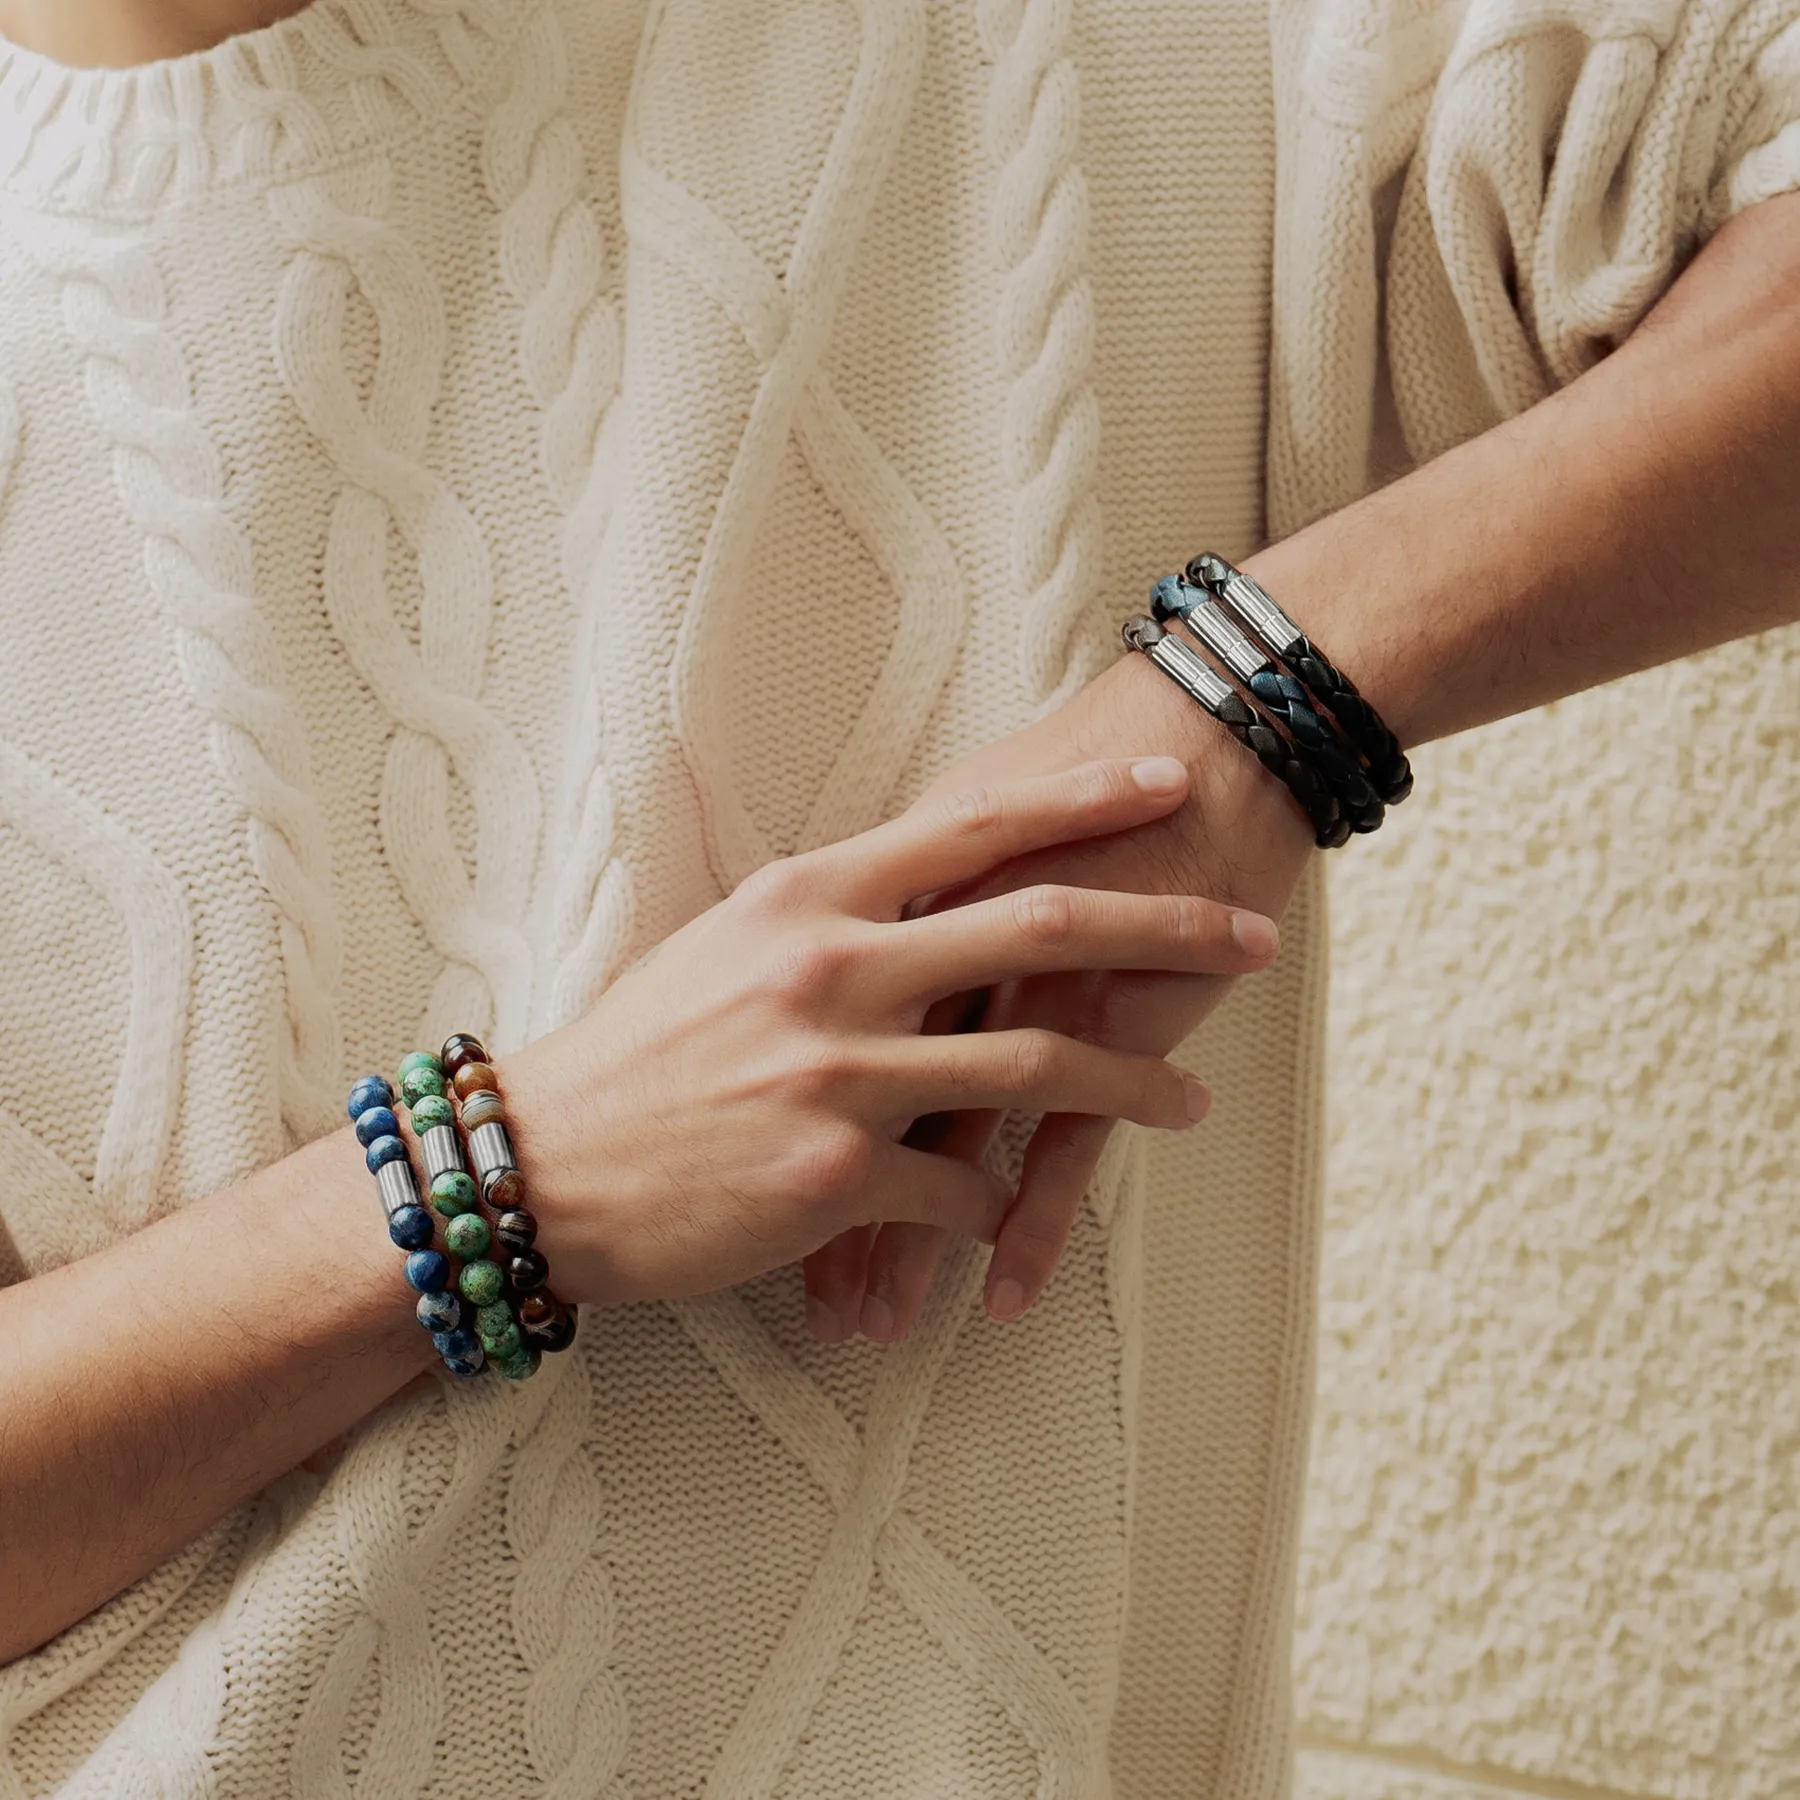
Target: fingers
835	1277
1051	930
902	1265
903	1260
956	837
1059	1163
1030	1070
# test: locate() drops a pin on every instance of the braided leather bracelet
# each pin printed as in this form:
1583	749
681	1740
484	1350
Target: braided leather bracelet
1388	770
1315	738
1252	728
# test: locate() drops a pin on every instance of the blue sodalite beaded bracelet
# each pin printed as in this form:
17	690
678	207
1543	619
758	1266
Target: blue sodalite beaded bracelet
409	1225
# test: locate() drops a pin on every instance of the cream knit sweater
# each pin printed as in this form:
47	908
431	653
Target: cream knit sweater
479	476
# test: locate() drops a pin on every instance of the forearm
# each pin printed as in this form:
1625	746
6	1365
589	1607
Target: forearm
1648	510
153	1386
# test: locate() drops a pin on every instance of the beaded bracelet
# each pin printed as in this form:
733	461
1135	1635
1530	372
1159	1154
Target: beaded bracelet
1314	737
1202	682
1388	770
410	1225
545	1323
481	1282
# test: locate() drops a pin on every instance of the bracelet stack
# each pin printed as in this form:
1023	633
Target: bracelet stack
1281	698
484	1295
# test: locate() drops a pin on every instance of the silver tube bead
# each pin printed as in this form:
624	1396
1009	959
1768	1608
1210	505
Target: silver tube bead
1224	640
490	1149
443	1151
1181	664
1248	600
395	1184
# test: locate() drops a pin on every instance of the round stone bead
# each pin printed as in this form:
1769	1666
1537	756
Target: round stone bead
507	1342
515	1231
459	1343
428	1271
410	1227
377	1122
557	1335
481	1282
474	1078
432	1110
518	1368
536	1311
439	1312
416	1084
467	1236
417	1059
461	1050
370	1091
453	1192
466	1365
504	1190
482	1108
527	1272
384	1150
493	1318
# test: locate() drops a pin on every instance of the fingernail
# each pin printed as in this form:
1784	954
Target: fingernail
1255	934
1159	774
1007	1300
822	1321
1199	1097
877	1319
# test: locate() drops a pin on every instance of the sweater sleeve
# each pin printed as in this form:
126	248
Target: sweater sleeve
1574	154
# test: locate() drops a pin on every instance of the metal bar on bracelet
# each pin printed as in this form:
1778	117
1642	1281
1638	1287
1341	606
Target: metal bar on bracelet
442	1150
1325	686
1180	664
1196	677
490	1149
395	1183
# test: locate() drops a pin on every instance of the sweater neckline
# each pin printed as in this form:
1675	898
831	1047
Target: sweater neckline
335	78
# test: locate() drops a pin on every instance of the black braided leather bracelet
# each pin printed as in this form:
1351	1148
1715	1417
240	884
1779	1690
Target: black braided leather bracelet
1388	770
1251	727
1315	738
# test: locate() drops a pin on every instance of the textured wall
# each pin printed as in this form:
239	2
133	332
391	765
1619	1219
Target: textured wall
1553	1542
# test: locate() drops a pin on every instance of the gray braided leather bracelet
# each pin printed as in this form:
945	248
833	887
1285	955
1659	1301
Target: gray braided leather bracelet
1248	724
1314	738
1329	688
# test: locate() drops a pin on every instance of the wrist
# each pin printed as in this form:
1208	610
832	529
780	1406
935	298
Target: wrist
1232	800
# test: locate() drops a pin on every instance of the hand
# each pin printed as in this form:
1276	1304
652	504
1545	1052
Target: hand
739	1098
1239	839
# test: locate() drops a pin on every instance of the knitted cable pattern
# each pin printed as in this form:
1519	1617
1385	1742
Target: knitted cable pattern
864	1477
553	261
377	440
148	901
562	1608
167	131
201	570
1050	440
787	322
394	1548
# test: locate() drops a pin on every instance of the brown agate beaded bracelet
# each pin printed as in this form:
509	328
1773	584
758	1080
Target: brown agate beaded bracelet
544	1322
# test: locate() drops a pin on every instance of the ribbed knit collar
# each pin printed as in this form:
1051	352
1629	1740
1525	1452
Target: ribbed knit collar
333	79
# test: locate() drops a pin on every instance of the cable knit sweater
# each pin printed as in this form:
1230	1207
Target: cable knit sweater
477	477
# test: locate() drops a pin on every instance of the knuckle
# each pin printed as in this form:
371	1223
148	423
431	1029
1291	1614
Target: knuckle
973	813
776	887
830	1163
1045	916
813	969
1032	1058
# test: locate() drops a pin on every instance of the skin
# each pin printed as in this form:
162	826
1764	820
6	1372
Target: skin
1643	513
727	1108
